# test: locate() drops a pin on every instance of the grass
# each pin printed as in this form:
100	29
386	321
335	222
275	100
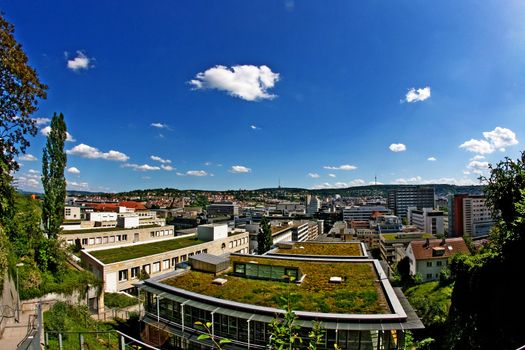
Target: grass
109	256
118	300
346	249
393	236
104	229
431	301
360	292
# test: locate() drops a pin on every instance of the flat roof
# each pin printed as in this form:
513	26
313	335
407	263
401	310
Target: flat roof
113	255
360	292
108	229
406	235
321	248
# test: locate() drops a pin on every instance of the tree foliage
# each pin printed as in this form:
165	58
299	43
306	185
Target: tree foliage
20	91
264	237
488	293
53	164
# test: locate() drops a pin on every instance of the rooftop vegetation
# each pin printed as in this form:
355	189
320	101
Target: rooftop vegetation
405	235
109	256
359	293
306	248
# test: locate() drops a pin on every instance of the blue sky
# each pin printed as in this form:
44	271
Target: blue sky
240	94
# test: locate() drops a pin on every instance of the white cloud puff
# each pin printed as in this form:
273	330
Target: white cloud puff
143	167
161	160
332	175
42	121
240	169
432	159
418	95
340	167
159	125
196	173
28	157
249	82
167	167
325	185
73	170
314	175
45	131
79	62
86	151
497	139
397	147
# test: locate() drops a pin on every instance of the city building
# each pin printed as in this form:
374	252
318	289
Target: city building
427	220
469	215
72	213
223	209
313	204
363	212
427	258
351	297
284	231
404	197
389	241
122	266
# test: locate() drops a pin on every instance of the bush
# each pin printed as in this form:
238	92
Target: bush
118	300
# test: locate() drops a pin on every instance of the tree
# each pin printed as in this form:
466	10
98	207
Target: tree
264	237
53	165
20	91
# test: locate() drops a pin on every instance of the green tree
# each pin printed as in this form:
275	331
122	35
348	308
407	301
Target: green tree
20	91
264	237
53	164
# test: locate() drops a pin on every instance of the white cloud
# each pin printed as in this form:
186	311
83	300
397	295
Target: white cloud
207	163
159	125
254	127
79	185
432	159
326	185
240	169
167	167
81	61
159	159
33	171
313	175
143	167
412	180
397	147
29	180
73	170
247	81
45	131
42	121
418	180
497	139
332	175
477	157
414	95
196	173
341	167
501	138
28	157
477	167
85	151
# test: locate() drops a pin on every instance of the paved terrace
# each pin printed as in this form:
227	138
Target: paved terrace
360	292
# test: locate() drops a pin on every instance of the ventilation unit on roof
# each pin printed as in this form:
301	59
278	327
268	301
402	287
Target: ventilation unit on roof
219	281
336	279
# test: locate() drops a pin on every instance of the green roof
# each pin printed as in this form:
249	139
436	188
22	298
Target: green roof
109	256
359	293
311	248
404	235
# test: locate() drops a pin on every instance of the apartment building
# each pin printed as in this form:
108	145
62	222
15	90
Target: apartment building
469	215
363	213
427	220
404	197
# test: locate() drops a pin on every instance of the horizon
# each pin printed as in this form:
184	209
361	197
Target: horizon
193	95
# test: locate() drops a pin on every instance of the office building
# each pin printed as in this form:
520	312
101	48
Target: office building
404	197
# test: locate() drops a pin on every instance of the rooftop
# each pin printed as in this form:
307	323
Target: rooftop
446	248
109	256
313	248
360	291
406	235
105	229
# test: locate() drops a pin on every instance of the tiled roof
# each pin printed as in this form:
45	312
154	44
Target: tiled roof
423	250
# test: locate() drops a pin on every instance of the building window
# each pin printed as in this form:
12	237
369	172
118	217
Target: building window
205	251
123	275
124	237
439	263
146	268
429	276
183	258
166	264
84	241
174	261
111	239
156	267
152	234
429	263
118	238
135	272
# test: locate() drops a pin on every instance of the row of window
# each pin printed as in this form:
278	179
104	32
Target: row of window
160	233
166	264
438	263
238	242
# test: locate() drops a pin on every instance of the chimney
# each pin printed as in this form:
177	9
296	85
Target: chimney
443	242
427	243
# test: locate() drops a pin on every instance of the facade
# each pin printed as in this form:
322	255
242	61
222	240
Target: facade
389	241
363	212
173	305
107	238
427	258
285	231
223	208
313	204
72	213
120	267
469	215
427	220
404	197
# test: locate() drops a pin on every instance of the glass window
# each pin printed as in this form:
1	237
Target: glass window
123	275
156	267
166	264
135	272
429	263
240	269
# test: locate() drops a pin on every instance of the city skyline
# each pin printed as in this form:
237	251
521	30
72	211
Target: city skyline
247	95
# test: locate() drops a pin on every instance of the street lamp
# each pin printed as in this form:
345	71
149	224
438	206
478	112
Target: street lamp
18	293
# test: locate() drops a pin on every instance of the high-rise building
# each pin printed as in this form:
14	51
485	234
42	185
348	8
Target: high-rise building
469	215
401	198
427	220
363	212
312	205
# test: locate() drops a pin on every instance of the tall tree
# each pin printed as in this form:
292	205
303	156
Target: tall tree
20	91
53	164
264	237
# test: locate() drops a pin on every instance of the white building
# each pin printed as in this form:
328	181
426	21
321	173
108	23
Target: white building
363	212
427	220
71	213
313	204
212	232
101	216
477	218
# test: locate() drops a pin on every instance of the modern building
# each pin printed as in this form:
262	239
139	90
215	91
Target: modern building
404	197
120	267
284	231
313	204
351	297
427	258
223	208
389	241
72	213
363	212
469	215
427	220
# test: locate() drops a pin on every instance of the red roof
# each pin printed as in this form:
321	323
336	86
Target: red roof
135	205
435	249
104	207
